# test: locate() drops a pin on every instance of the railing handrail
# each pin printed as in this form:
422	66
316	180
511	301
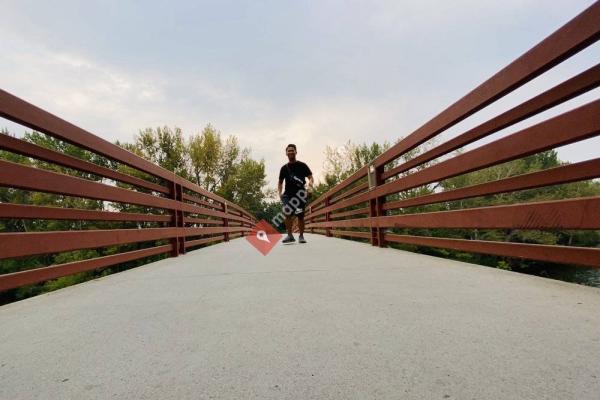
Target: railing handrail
26	114
577	34
360	206
182	211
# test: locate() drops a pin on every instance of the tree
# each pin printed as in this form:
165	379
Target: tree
205	153
231	156
17	196
341	162
244	186
218	165
163	146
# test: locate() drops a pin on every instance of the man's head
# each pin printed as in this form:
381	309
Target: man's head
290	151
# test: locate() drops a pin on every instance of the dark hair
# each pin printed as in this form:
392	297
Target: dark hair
291	145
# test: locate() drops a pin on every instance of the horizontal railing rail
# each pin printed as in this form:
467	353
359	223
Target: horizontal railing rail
173	214
377	198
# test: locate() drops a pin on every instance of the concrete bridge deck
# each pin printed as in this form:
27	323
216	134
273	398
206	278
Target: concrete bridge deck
332	319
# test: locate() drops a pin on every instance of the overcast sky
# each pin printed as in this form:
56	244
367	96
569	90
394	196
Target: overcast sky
314	73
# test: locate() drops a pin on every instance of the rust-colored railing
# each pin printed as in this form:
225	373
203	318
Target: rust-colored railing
360	207
184	214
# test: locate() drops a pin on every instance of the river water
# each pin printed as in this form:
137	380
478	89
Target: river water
584	276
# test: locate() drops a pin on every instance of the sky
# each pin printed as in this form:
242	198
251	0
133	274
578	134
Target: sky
313	73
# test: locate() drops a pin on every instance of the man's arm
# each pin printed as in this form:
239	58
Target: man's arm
311	183
280	182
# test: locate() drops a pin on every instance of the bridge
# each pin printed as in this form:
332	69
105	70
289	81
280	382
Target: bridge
344	320
332	319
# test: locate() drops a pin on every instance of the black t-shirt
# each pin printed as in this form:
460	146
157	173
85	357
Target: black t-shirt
299	170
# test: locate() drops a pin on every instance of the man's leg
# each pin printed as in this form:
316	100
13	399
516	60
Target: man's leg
288	226
287	211
289	223
301	228
301	224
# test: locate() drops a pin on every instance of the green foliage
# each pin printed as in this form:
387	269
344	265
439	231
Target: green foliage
216	164
536	162
206	151
18	196
163	146
244	186
222	166
503	265
342	162
268	212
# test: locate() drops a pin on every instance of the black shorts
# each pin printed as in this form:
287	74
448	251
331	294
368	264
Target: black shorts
293	205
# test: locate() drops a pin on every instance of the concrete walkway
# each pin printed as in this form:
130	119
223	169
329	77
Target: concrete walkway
331	319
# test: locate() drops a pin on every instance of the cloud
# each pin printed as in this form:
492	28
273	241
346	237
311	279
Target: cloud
330	121
91	95
114	104
111	102
317	75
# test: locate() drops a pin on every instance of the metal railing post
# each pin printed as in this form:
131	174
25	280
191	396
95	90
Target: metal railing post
376	206
327	217
225	223
177	222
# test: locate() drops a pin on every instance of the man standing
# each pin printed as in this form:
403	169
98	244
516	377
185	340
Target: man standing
294	198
